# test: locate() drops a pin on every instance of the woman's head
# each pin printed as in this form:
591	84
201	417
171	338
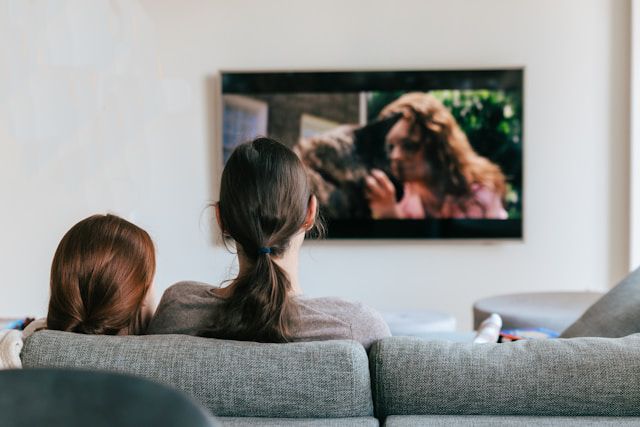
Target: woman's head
265	197
427	145
101	275
266	206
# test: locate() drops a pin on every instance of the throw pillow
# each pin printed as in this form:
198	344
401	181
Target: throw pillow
616	314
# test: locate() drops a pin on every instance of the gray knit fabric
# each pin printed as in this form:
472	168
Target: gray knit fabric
230	378
285	422
561	377
505	421
616	314
187	308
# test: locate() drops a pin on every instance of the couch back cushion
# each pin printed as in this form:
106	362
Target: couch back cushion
580	376
230	378
616	314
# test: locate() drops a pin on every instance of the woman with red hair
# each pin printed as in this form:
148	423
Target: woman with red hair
101	277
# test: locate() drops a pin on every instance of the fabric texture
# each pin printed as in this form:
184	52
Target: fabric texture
10	347
555	377
505	421
328	379
305	422
187	307
616	314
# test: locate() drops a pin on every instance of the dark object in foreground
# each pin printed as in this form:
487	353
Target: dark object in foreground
69	398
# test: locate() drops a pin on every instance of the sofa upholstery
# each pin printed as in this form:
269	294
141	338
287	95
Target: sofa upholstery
597	321
506	421
310	380
563	377
411	381
297	422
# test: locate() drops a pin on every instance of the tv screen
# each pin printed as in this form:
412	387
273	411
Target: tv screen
394	154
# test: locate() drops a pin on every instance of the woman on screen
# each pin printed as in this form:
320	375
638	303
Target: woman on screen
266	207
442	174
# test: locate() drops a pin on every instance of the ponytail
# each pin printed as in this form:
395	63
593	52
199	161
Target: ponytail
259	309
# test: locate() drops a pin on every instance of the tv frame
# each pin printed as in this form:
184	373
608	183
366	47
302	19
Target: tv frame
244	82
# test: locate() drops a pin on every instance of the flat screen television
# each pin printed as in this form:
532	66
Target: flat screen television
394	154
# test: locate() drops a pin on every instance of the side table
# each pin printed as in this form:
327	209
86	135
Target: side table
551	310
427	324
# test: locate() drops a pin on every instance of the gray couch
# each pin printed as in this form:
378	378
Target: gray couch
409	381
580	381
241	383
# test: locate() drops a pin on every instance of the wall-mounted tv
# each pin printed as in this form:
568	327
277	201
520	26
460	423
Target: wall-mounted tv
394	154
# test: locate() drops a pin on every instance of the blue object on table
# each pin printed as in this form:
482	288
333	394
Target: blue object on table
14	324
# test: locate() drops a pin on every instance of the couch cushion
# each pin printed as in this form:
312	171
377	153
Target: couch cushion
616	314
506	421
581	376
298	422
230	378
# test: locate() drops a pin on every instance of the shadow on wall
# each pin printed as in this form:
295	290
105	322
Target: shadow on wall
619	175
213	116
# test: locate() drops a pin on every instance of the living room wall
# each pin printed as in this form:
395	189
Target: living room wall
110	106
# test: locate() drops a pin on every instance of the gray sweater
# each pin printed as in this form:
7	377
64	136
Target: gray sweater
187	307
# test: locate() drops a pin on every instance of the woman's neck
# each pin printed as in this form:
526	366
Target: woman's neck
430	202
289	262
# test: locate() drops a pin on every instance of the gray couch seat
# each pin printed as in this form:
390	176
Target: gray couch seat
297	422
506	421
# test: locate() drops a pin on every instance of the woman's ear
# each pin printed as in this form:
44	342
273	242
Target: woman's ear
312	210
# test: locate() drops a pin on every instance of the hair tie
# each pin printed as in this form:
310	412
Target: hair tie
264	250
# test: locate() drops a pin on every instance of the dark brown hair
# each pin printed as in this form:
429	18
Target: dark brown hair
264	201
100	275
454	164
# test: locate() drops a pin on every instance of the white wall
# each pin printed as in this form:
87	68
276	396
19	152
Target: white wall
108	106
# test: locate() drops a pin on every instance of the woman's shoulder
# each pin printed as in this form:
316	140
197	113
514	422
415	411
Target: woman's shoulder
339	305
188	288
484	203
189	293
184	308
364	323
34	326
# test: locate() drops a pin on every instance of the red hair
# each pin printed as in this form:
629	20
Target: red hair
100	276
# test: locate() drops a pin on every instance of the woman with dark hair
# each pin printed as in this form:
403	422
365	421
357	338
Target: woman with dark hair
101	277
442	174
266	207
